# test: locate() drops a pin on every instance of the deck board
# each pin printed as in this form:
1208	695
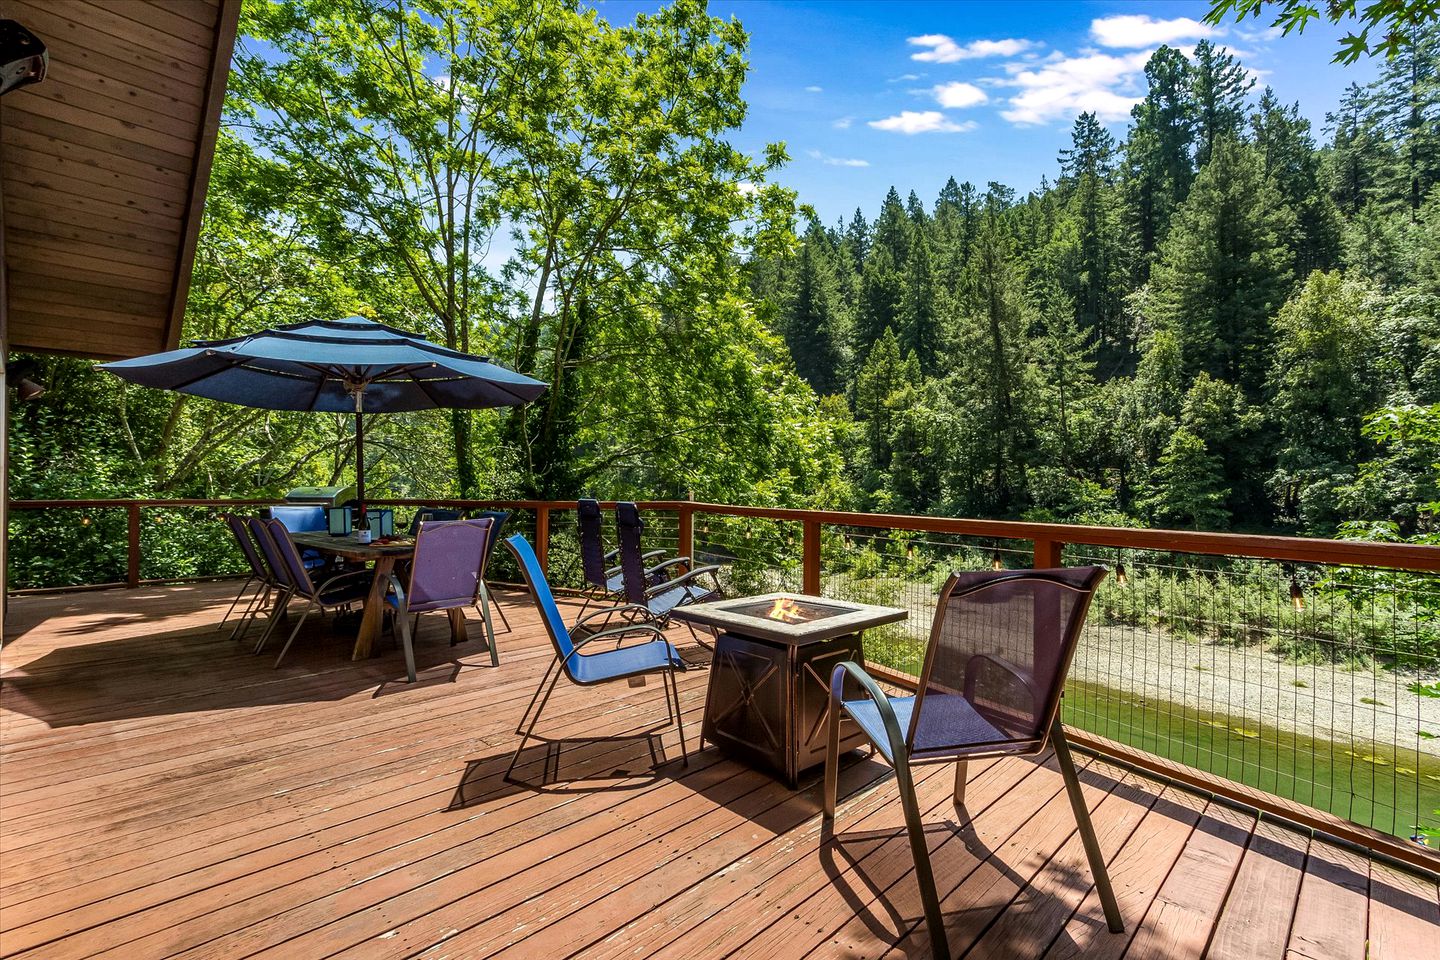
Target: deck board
163	793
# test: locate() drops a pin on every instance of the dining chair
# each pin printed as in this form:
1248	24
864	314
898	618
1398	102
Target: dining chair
445	574
498	519
655	655
282	585
338	591
994	671
259	576
432	513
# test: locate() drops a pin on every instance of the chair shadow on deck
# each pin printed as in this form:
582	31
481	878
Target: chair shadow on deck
568	765
876	888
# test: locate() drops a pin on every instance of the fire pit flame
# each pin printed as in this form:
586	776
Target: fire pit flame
786	611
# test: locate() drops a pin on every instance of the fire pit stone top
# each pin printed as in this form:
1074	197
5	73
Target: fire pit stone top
789	618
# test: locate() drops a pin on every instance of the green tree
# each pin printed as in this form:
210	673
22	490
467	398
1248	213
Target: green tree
1225	270
1219	86
1292	163
1188	486
1324	383
817	329
1158	159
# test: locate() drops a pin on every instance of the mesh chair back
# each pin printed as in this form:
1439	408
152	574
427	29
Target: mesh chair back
426	514
247	546
628	527
1002	644
289	556
498	519
270	553
544	599
592	543
446	569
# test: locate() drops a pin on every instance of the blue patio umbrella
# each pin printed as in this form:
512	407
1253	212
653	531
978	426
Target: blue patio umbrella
352	365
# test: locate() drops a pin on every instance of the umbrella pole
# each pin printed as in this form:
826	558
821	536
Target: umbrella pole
360	462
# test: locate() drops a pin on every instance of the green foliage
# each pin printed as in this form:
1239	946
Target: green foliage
1392	21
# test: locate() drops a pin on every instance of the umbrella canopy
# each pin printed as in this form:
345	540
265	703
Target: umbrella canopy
352	365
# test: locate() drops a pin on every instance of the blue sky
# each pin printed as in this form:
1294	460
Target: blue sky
870	94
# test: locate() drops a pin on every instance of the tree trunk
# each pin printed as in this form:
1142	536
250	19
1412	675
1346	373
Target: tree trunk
465	477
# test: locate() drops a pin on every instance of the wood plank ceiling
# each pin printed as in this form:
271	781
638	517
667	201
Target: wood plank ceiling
105	166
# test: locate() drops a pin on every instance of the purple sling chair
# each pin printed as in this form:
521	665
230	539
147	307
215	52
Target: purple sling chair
445	575
1000	648
338	591
259	577
279	576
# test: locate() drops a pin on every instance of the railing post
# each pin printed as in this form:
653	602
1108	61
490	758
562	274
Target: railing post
132	554
1048	554
811	563
542	538
685	545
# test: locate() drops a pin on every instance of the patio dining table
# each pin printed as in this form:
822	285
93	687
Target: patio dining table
384	556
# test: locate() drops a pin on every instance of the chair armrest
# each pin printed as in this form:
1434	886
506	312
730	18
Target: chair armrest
684	579
644	557
345	575
620	633
610	555
667	564
893	733
1014	670
608	612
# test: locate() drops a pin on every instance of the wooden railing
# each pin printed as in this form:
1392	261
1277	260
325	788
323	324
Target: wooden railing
1049	539
1045	544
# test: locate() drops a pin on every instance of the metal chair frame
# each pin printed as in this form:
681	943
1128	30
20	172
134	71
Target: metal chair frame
898	749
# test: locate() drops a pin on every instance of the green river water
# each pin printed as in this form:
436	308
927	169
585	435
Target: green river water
1390	788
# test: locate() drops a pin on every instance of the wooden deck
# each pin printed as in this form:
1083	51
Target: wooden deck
163	793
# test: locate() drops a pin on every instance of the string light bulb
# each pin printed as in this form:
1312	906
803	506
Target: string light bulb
996	562
1297	596
909	551
1120	578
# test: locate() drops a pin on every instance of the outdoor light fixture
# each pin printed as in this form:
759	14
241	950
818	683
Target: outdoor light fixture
1120	578
1297	596
996	563
22	376
23	59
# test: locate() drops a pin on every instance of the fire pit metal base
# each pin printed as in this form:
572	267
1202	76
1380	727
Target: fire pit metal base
769	696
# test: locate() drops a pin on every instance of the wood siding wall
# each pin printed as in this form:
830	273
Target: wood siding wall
105	166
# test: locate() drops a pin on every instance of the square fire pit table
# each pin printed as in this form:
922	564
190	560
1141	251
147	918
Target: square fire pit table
769	696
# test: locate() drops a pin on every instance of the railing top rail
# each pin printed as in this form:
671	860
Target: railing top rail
1400	556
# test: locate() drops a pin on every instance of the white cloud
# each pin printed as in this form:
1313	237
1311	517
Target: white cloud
842	123
1260	36
958	95
922	121
746	188
905	78
942	49
1132	30
814	89
1108	85
838	161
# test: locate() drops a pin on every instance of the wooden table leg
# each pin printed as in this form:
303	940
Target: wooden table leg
374	618
457	626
